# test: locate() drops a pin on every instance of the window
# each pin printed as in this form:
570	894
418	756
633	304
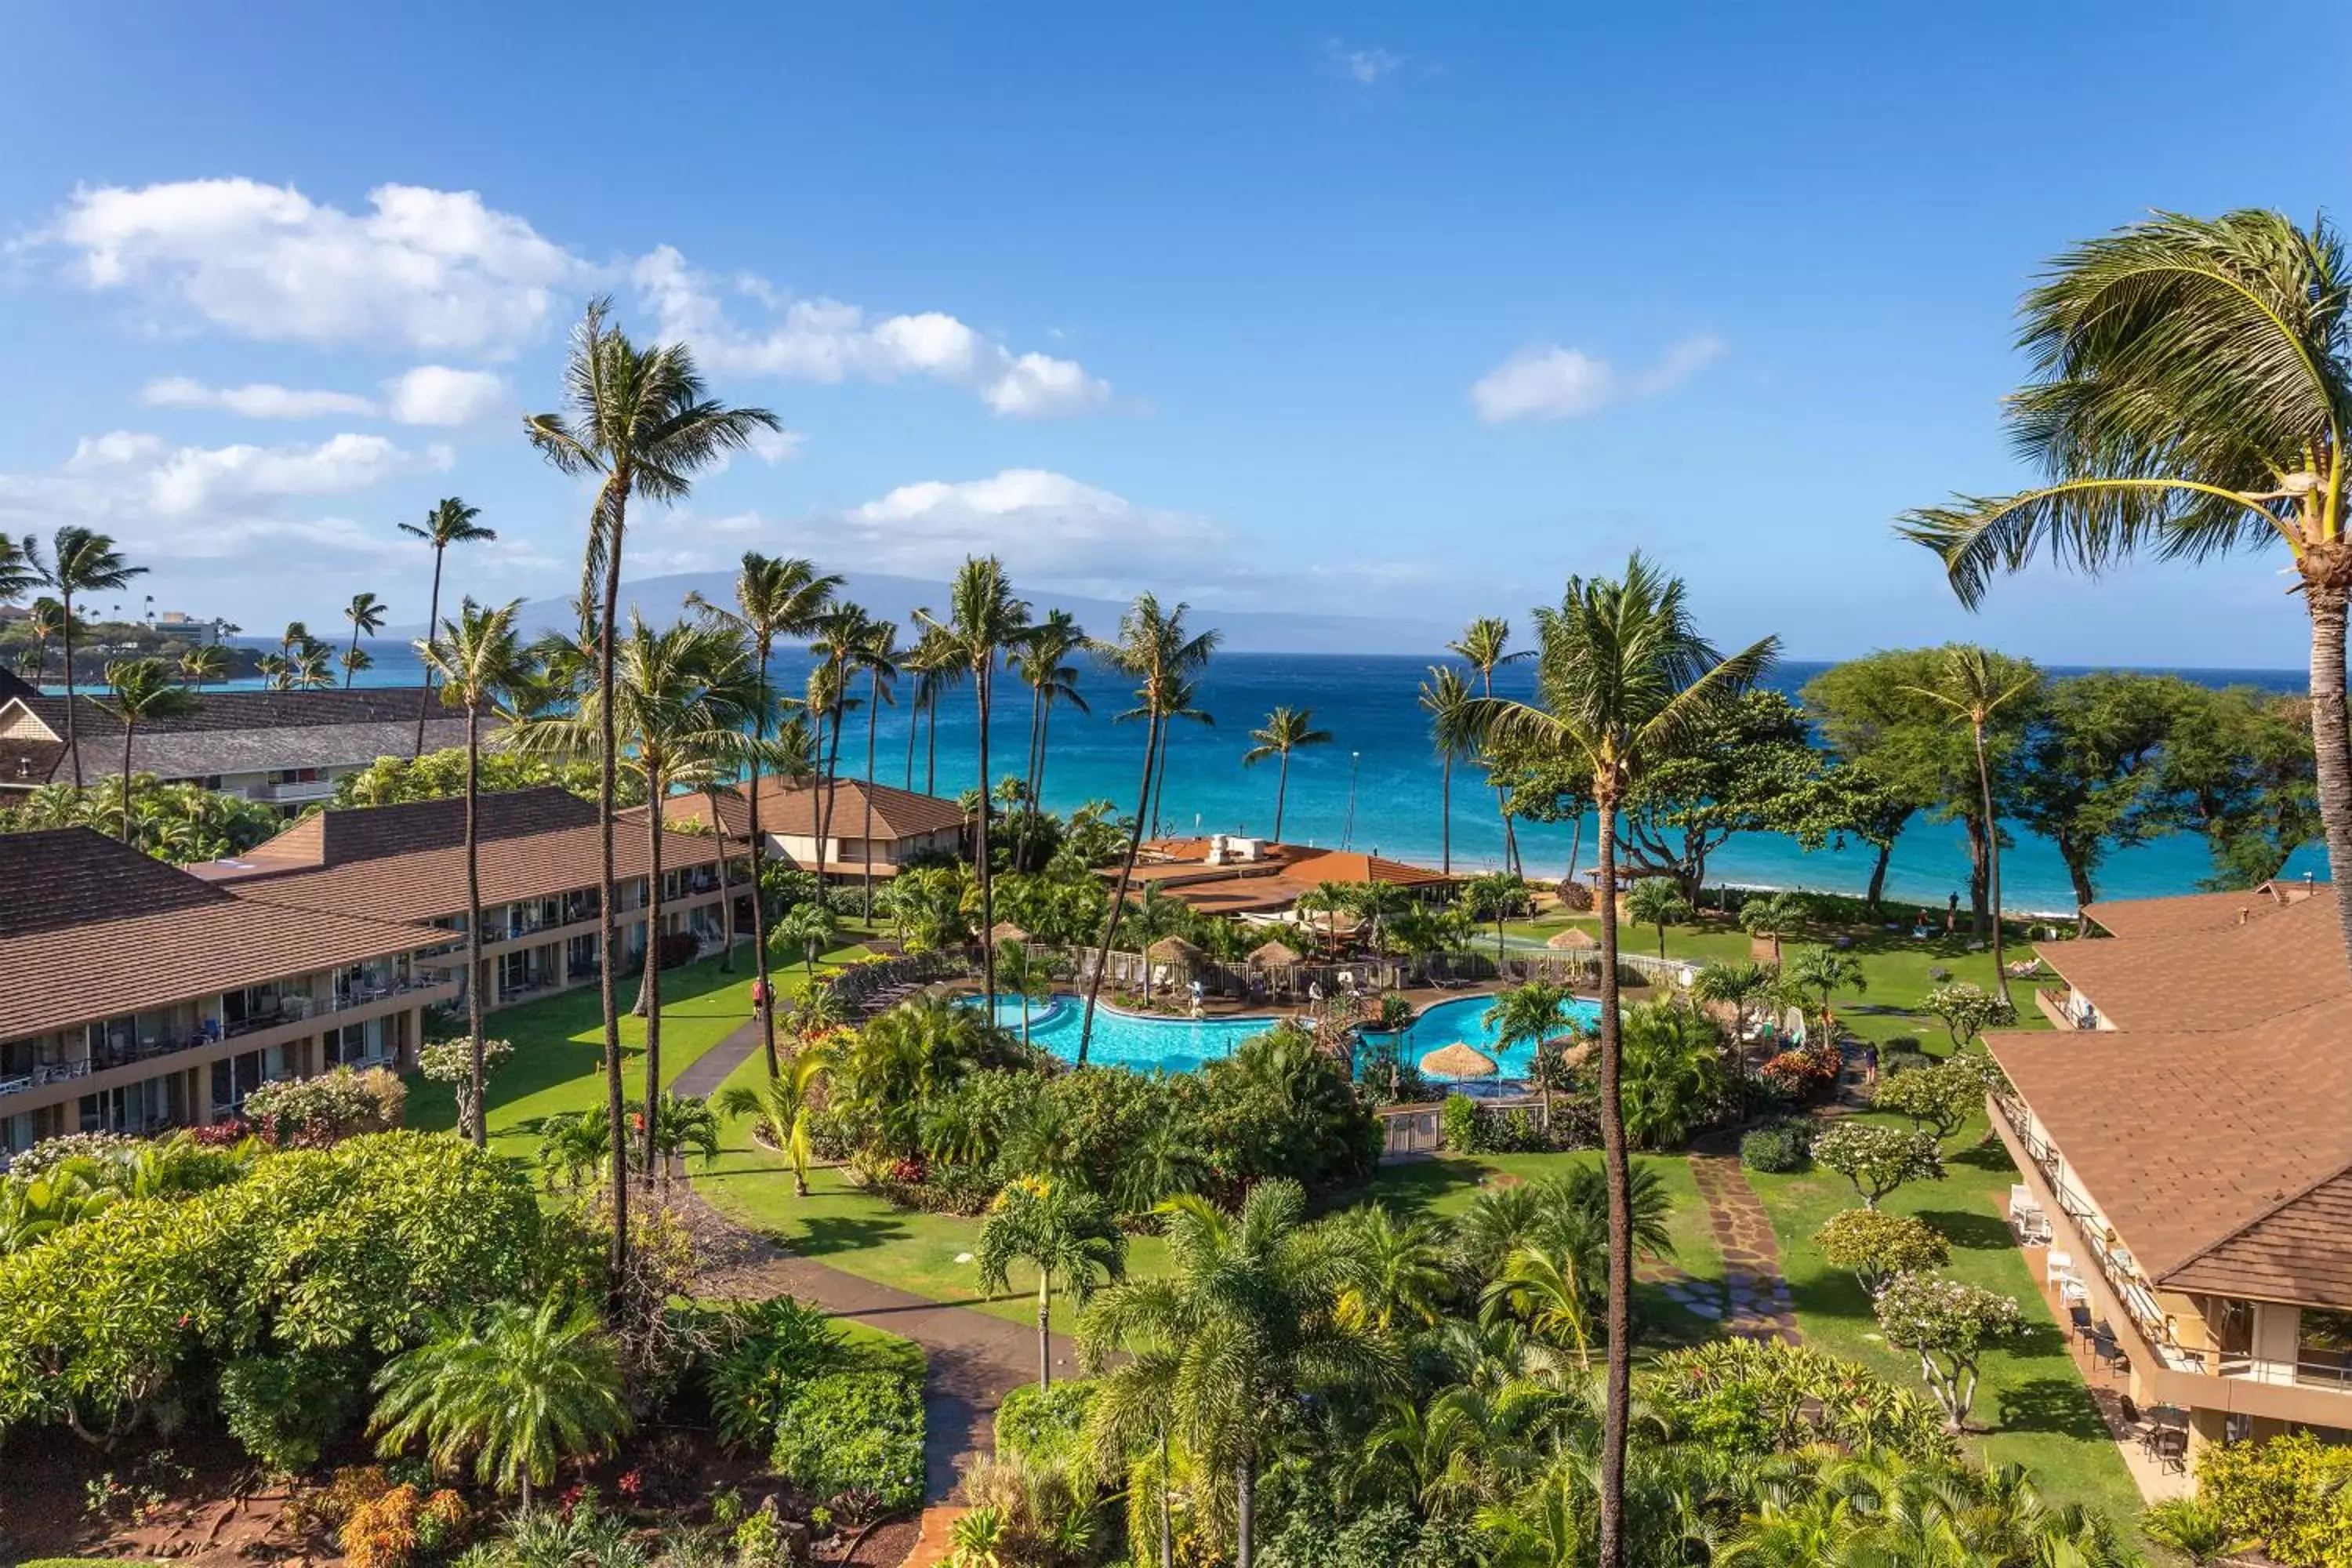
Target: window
2326	1339
296	776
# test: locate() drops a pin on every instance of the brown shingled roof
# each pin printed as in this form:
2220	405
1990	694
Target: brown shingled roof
788	808
2218	979
408	862
145	935
232	731
2193	914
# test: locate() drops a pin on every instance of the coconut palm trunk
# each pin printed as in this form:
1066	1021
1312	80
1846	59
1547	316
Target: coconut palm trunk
759	893
2325	596
1445	816
1618	1176
1281	792
65	637
873	733
649	993
1119	894
424	698
479	1131
983	684
608	795
1992	862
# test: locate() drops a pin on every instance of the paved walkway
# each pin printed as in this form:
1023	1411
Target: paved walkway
703	1075
1758	1303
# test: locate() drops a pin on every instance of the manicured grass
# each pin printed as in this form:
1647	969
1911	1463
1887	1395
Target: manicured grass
878	1349
2033	1403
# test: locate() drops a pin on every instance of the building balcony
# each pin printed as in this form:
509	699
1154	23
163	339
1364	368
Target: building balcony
40	1077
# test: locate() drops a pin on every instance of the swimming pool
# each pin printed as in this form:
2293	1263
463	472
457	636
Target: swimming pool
1125	1040
1463	1019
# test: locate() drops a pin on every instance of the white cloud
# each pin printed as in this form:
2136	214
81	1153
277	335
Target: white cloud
425	268
258	400
1547	382
822	340
1366	67
435	394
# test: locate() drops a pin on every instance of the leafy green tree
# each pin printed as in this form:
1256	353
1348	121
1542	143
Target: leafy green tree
1966	1010
808	929
643	423
1875	1245
519	1391
452	521
2237	768
2193	1528
1742	986
1286	729
1247	1319
143	691
1545	1289
204	664
2087	775
1817	974
475	657
1974	689
1948	1324
452	1062
1056	1229
986	620
1445	698
1877	1159
1496	896
2192	378
81	561
902	1060
1160	654
1026	972
1622	676
1940	1097
1655	901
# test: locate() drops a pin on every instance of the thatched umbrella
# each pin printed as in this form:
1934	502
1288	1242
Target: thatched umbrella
1575	939
1458	1060
1576	1052
1173	950
1273	956
1004	931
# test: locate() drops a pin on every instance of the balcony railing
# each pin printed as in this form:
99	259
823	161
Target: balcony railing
2337	1376
57	1072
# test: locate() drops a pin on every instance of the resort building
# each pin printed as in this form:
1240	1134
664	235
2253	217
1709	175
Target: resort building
541	869
2186	1142
1224	874
904	825
284	747
135	996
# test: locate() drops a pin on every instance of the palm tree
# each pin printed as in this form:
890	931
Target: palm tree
1445	698
206	662
1497	893
1401	1270
1157	652
784	1107
1055	1229
1027	974
2194	380
1248	1317
81	561
1482	647
1180	705
310	669
937	671
1621	675
1972	692
477	657
20	568
1042	661
44	619
680	694
1738	986
143	691
808	926
1529	1016
984	620
450	522
1823	971
355	661
366	613
1286	729
641	420
1657	901
773	598
875	652
1675	1060
520	1390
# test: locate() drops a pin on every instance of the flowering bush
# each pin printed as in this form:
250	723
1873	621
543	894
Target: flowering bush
2292	1495
1948	1324
50	1153
394	1528
1878	1158
313	1112
1803	1074
1875	1247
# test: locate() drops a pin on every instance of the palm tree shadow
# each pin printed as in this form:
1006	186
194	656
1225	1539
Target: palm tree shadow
1967	1228
2059	1405
822	1236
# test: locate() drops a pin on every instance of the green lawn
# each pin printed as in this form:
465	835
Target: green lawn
2035	1403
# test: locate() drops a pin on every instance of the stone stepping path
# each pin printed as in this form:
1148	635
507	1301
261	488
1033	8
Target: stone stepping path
1756	1304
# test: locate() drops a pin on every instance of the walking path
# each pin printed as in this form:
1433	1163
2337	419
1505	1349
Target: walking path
1757	1297
703	1075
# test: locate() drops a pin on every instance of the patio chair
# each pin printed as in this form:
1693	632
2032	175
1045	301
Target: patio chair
2080	1317
2056	1263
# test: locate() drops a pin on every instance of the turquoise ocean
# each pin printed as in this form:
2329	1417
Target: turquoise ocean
1377	786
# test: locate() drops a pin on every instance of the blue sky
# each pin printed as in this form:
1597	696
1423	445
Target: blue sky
1397	310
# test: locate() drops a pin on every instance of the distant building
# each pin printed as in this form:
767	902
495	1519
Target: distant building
902	824
1226	873
284	747
2187	1136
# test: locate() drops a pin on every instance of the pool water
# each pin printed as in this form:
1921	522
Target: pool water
1463	1019
1125	1040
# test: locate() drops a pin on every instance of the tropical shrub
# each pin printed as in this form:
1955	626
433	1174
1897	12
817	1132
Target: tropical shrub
50	1153
1967	1011
1948	1324
1045	1424
1777	1148
285	1409
1875	1246
853	1429
1753	1398
763	1352
1939	1099
1803	1074
312	1112
403	1523
2292	1495
1876	1159
1673	1072
1464	1130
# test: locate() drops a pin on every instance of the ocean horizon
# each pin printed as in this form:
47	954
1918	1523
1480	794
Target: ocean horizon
1377	786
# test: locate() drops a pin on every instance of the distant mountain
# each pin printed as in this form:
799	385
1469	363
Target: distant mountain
1246	631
